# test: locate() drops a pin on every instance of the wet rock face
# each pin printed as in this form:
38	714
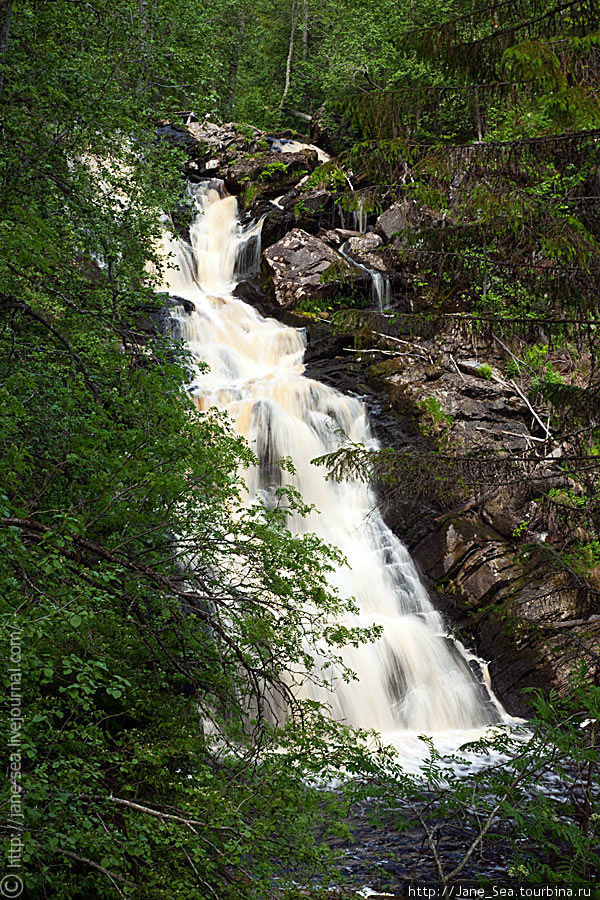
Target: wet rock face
310	210
471	410
485	557
163	317
301	266
277	221
364	249
519	613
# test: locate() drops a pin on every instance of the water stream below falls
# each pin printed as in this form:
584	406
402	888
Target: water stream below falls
415	678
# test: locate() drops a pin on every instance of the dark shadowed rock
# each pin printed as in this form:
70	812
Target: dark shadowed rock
171	302
269	172
394	219
250	292
518	613
316	206
177	135
276	220
167	318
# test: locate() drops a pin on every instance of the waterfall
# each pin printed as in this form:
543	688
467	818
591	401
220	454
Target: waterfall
380	283
414	677
359	217
380	286
285	145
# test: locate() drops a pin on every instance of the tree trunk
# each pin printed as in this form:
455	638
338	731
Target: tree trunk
477	110
288	65
305	31
234	65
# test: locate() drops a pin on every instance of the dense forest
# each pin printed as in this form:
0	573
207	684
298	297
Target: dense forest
155	619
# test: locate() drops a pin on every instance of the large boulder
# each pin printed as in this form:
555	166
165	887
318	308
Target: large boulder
396	219
221	137
277	221
301	266
269	173
405	214
364	249
364	243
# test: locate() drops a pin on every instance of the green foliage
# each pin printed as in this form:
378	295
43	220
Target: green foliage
269	173
301	209
158	613
531	793
336	272
250	193
332	305
534	61
535	363
433	407
327	176
521	530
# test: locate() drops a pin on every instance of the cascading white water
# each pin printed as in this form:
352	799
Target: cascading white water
414	677
285	145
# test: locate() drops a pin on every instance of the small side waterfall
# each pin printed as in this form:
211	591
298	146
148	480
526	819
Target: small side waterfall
380	283
380	286
415	677
359	217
